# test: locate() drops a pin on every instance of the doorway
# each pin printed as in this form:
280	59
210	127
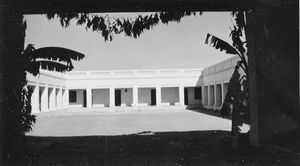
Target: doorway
84	98
118	97
186	96
153	97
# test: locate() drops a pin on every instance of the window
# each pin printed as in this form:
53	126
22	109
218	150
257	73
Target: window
197	93
72	96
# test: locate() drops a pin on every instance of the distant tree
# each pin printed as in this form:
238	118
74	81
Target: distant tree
236	102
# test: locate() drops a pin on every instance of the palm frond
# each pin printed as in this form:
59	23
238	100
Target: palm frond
220	44
54	66
57	53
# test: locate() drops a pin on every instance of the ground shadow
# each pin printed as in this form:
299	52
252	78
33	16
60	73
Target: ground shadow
147	148
211	112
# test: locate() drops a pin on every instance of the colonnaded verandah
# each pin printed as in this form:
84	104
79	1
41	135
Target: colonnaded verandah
190	88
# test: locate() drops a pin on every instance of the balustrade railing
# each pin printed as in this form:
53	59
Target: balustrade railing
134	73
229	63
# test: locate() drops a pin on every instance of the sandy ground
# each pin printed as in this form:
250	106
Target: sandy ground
94	122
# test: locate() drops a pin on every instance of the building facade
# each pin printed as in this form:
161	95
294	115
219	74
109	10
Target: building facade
132	88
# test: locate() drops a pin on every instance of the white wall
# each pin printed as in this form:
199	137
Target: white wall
219	72
79	101
48	77
100	97
169	95
144	96
134	78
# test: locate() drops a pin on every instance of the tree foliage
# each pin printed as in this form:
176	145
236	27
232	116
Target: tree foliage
110	26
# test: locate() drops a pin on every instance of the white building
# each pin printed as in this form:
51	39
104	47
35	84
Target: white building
132	88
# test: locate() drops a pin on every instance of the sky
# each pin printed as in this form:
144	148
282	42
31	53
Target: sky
166	46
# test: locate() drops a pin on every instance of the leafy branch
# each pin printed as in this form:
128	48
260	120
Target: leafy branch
108	26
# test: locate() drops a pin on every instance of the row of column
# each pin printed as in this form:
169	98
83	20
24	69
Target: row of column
48	97
213	95
135	96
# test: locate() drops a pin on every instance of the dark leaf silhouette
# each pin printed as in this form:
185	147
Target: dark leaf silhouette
220	44
236	40
59	53
50	58
54	66
239	19
110	26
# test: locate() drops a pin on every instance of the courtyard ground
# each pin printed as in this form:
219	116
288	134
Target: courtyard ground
135	137
123	121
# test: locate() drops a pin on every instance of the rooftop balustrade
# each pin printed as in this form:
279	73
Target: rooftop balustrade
107	74
134	73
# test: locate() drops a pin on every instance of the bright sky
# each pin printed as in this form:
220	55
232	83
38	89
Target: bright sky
176	45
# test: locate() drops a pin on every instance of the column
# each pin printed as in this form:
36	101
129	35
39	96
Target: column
219	95
215	95
181	95
223	93
158	95
52	98
56	91
225	88
59	98
111	97
203	95
63	93
37	95
44	99
34	98
135	96
66	98
209	96
88	97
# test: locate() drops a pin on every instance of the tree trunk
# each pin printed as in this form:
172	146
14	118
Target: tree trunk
273	48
